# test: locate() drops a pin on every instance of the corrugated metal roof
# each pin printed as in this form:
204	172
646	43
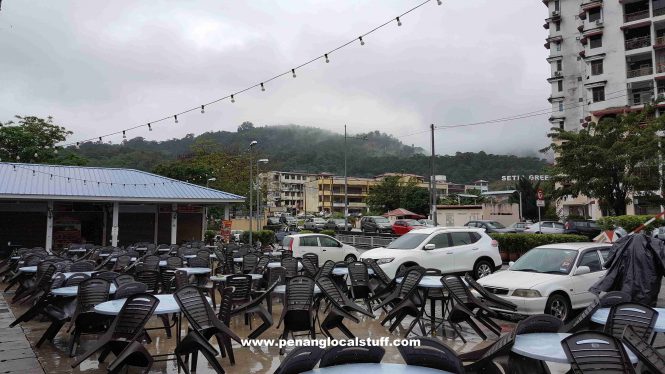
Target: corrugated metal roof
57	182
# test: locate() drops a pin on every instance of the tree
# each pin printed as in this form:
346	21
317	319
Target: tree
609	160
246	126
31	139
392	193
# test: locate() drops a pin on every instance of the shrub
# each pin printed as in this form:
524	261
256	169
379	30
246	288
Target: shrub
328	232
305	232
266	237
629	223
512	246
209	235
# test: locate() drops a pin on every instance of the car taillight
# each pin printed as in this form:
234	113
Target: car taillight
291	245
495	243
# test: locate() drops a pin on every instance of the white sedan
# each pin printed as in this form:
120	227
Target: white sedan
324	246
546	227
552	279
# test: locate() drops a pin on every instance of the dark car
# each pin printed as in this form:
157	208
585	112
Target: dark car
336	224
489	226
376	224
273	224
587	228
289	221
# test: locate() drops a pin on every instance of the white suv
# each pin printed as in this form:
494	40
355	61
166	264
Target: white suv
449	249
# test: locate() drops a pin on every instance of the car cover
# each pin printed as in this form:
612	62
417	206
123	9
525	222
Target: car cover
635	265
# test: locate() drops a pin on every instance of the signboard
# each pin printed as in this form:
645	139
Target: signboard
540	194
226	230
540	203
507	178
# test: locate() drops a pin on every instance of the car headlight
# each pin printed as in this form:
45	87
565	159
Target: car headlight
526	293
381	261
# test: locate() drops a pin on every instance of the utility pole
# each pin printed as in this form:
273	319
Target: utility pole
346	189
251	190
432	184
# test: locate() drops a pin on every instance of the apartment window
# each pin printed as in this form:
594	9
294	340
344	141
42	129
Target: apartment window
559	65
560	106
559	85
558	26
598	94
594	15
558	46
597	67
557	5
596	41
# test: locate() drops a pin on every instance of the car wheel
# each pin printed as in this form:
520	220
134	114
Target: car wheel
558	306
482	268
350	258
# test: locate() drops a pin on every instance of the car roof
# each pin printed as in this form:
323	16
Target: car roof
579	246
301	235
430	230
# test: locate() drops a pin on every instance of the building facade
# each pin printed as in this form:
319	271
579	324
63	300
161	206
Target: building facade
285	191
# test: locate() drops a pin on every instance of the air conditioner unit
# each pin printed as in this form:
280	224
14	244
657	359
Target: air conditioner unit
557	73
599	23
555	13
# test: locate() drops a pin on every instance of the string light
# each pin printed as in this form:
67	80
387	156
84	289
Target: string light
36	155
362	42
294	72
100	140
55	150
175	117
262	87
327	60
124	136
232	99
399	23
149	127
439	2
18	157
203	109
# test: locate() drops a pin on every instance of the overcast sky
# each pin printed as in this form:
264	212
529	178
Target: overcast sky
101	66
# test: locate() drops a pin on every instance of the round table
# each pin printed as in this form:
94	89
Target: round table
601	315
73	290
77	250
281	289
547	347
15	258
189	256
104	254
69	274
163	249
377	369
195	271
115	259
237	259
428	281
167	305
222	278
345	271
278	264
28	269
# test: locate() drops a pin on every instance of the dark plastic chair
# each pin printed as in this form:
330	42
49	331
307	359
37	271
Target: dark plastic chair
326	269
313	257
334	356
340	307
540	323
299	360
488	298
407	302
582	320
255	307
76	279
647	354
359	277
122	262
308	265
613	298
203	254
431	353
41	300
203	325
181	279
641	317
129	289
150	278
151	262
290	265
43	281
483	360
298	312
107	275
84	265
123	279
597	352
262	264
198	262
224	315
249	263
122	337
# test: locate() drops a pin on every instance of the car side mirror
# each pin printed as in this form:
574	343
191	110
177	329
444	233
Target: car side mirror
510	264
429	247
582	270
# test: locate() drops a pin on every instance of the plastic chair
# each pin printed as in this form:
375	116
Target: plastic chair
198	262
613	298
151	262
540	323
43	279
488	298
596	352
407	302
122	262
122	337
340	307
334	356
107	275
225	308
129	289
255	306
641	317
309	265
123	279
431	353
290	265
359	277
647	354
76	279
299	360
313	257
298	312
150	278
326	269
84	265
483	360
583	319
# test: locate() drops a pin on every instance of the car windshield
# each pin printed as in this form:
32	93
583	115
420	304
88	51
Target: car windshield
408	241
546	260
338	221
495	225
319	220
381	220
426	222
412	222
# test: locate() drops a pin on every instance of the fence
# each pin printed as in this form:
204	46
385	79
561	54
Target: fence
365	241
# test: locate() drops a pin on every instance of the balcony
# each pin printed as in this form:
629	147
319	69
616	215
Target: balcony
645	70
639	42
660	42
658	12
637	15
660	68
640	97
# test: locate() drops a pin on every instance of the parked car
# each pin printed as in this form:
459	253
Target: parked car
659	233
427	222
552	279
451	250
326	247
519	226
587	228
336	224
402	226
289	221
236	235
376	224
546	227
314	224
274	224
489	226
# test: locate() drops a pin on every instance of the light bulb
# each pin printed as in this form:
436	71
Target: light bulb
36	155
362	42
55	151
399	23
294	72
232	99
262	87
203	109
439	2
124	136
100	139
327	60
149	127
175	117
77	145
18	157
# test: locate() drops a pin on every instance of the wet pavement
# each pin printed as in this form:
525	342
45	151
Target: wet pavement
18	354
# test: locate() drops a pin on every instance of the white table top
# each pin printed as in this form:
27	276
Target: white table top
69	274
345	271
237	259
601	315
281	289
163	249
191	271
15	258
77	250
377	369
73	290
222	278
189	256
278	264
428	281
167	305
104	254
115	259
547	347
28	269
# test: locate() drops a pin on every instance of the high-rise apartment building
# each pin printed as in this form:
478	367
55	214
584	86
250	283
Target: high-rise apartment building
285	191
606	57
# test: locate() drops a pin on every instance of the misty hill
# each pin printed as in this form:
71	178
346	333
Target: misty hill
307	149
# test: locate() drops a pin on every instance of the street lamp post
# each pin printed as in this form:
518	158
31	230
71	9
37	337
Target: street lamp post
251	182
346	182
258	193
210	180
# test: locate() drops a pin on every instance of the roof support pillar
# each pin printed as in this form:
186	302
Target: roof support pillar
227	211
174	223
156	224
49	227
114	224
204	223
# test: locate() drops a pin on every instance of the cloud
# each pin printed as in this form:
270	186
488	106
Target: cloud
101	68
